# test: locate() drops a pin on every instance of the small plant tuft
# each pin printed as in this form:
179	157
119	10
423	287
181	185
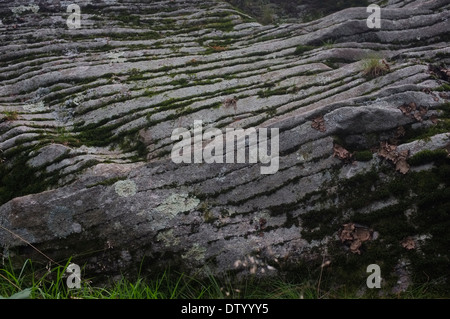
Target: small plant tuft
374	67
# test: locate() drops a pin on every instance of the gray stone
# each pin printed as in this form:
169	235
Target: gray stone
119	91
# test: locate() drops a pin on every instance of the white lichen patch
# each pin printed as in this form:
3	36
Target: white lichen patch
196	253
77	228
36	107
116	57
21	9
168	238
125	188
177	203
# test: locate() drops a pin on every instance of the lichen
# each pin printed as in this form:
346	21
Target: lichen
168	238
177	203
36	107
21	9
60	222
125	188
196	253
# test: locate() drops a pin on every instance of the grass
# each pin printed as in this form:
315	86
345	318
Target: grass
42	283
10	115
363	156
427	156
375	67
299	50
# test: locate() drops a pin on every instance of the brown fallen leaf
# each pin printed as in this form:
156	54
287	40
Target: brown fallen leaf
341	152
444	95
418	117
423	110
390	153
230	102
402	166
439	72
400	132
362	234
387	151
408	243
405	109
319	124
354	236
434	119
426	90
413	111
347	232
355	245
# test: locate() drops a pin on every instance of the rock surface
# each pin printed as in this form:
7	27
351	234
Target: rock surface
88	116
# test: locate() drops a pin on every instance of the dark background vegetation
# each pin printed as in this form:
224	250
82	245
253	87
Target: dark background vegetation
273	11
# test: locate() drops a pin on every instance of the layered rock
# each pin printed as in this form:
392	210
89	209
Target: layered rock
88	116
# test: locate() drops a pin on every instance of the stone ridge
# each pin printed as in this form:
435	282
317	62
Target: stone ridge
87	118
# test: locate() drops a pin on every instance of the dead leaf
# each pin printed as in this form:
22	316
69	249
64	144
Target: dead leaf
439	72
341	152
422	111
418	117
426	90
434	119
230	102
400	132
319	124
355	245
402	166
354	236
347	232
444	95
409	243
362	234
390	153
413	111
405	109
387	151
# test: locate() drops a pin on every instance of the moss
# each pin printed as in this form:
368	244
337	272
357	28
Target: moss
96	136
319	224
443	88
427	156
107	182
20	179
129	19
301	49
443	126
10	115
224	25
271	92
424	195
135	75
363	156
